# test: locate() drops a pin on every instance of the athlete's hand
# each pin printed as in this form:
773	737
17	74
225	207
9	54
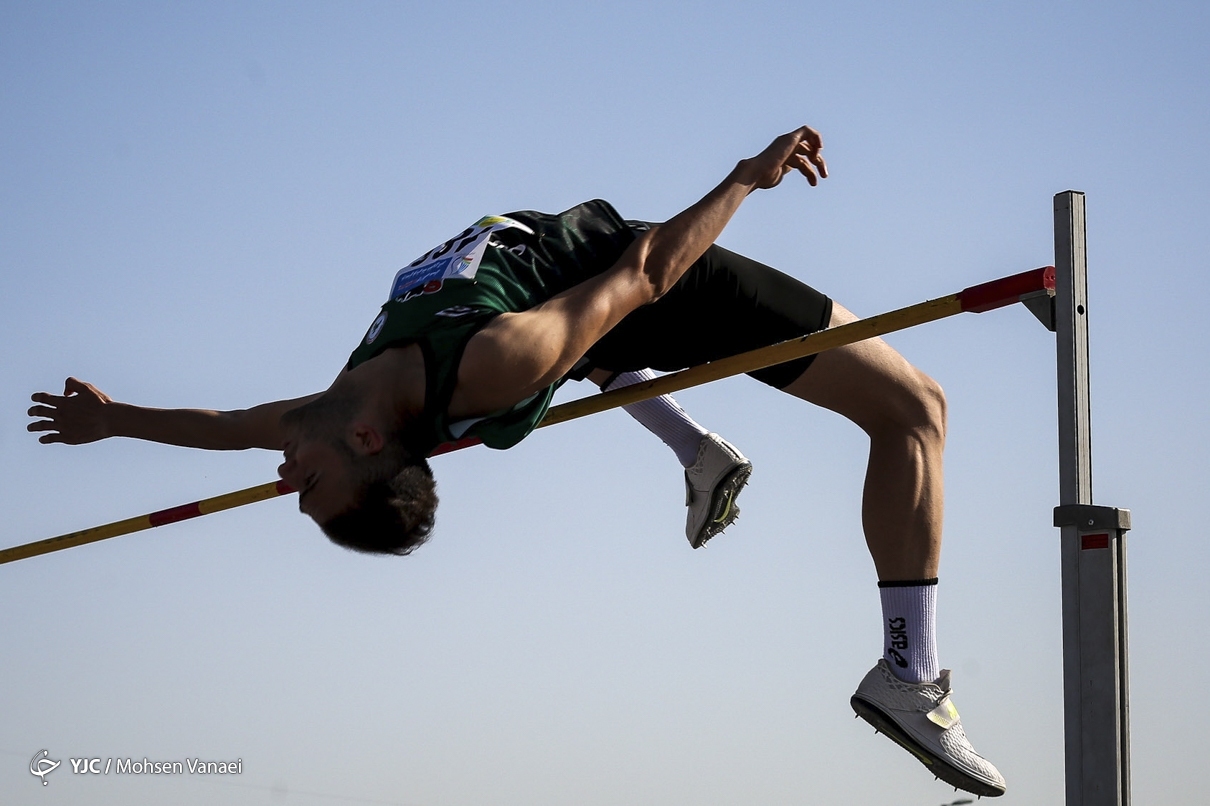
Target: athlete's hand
76	417
800	150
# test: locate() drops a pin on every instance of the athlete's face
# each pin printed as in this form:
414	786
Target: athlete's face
318	459
319	469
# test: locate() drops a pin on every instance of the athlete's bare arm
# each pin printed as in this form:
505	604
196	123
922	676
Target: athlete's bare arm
83	413
518	354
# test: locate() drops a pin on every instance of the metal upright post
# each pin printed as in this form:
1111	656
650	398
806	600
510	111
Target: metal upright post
1093	546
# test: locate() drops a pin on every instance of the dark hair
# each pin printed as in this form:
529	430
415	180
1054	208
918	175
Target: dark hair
396	506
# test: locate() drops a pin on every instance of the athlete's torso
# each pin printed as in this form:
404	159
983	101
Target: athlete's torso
502	264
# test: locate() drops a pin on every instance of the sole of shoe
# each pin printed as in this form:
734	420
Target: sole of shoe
936	765
722	504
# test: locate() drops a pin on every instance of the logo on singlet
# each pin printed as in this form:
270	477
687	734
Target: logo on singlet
376	328
455	311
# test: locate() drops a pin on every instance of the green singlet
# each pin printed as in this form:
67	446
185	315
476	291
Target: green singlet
500	265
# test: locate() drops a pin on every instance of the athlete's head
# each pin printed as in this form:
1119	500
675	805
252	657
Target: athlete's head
354	476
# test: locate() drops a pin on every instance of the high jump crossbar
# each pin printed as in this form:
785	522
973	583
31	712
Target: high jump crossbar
1026	287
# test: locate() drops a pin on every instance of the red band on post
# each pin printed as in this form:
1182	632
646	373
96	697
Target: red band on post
1007	290
283	488
1098	541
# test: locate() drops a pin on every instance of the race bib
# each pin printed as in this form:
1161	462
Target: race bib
458	257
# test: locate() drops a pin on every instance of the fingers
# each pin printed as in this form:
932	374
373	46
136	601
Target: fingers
52	409
48	425
810	146
815	158
798	150
803	164
811	137
74	418
73	437
44	425
71	388
45	397
801	151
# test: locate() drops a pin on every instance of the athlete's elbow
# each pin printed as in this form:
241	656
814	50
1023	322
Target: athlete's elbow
653	273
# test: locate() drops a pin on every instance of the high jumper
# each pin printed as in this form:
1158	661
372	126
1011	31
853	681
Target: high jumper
477	335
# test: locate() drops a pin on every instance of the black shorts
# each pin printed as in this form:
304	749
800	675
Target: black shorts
724	305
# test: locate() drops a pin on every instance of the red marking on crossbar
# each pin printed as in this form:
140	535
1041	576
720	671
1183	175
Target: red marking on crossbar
1007	290
456	445
182	513
283	488
1094	542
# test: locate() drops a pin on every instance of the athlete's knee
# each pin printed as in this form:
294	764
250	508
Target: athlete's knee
934	407
926	412
917	407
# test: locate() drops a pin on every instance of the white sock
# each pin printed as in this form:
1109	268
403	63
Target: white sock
663	417
909	620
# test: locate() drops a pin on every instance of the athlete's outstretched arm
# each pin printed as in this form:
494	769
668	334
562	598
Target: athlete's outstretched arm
83	413
518	354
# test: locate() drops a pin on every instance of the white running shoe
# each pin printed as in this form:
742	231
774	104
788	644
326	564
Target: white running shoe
922	719
711	486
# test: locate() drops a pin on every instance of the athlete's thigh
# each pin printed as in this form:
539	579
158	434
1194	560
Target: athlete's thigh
724	305
868	382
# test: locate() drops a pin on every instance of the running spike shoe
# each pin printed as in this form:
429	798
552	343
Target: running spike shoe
922	719
711	486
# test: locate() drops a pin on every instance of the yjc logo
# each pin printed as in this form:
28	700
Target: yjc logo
93	765
42	766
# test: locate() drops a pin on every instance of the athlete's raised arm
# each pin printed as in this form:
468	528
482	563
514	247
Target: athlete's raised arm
83	413
520	353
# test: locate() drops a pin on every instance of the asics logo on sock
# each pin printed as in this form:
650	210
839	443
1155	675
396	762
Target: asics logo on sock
897	629
897	632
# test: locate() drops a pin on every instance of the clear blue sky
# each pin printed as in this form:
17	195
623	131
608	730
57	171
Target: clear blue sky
202	205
